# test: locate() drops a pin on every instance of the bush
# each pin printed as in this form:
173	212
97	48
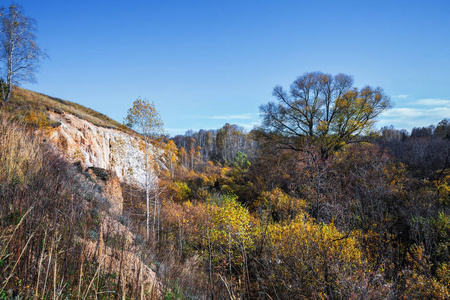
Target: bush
38	119
179	191
303	260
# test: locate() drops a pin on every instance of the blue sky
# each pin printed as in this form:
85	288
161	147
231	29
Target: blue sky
205	63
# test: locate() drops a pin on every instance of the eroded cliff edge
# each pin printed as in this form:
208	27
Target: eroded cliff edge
101	147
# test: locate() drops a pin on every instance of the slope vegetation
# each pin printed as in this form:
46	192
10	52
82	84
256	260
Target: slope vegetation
59	234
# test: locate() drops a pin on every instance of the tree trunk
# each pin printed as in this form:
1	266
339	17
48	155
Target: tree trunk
146	187
148	205
3	89
8	94
9	77
155	220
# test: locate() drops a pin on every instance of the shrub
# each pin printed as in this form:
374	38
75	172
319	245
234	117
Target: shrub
179	191
37	118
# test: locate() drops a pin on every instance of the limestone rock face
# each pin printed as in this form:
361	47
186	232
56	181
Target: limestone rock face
100	147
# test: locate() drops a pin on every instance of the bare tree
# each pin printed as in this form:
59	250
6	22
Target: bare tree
321	109
19	52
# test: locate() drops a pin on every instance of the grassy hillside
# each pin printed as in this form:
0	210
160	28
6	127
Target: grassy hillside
58	237
45	207
31	107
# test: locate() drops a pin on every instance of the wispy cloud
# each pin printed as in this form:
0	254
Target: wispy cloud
418	113
409	117
250	126
244	116
401	96
176	131
404	112
434	102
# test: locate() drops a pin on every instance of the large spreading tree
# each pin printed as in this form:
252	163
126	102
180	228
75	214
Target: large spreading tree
321	110
20	53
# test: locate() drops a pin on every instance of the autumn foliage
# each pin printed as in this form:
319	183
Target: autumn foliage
357	224
365	215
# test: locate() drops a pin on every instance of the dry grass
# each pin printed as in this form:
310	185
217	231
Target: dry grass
57	239
24	101
46	209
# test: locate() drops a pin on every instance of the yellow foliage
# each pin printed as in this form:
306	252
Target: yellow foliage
179	191
37	118
443	274
321	257
443	188
414	282
231	218
230	232
281	205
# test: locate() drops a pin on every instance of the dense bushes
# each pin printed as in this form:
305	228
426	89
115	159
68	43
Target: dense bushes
362	223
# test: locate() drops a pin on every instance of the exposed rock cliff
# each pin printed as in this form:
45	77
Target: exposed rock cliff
108	157
102	147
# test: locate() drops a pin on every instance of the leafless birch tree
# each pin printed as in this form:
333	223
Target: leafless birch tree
19	52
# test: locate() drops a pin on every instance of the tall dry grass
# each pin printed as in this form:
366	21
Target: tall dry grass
52	244
24	101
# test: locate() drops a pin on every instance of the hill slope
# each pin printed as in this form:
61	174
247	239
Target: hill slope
62	231
82	134
25	101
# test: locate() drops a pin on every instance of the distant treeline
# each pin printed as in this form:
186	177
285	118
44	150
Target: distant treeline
220	145
423	151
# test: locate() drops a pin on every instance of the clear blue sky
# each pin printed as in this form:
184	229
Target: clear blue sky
205	63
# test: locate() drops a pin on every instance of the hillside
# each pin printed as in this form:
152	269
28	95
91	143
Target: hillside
25	102
60	228
62	225
82	134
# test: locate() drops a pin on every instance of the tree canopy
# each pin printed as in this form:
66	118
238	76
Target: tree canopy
144	118
323	110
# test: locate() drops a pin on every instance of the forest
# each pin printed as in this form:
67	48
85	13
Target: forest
314	204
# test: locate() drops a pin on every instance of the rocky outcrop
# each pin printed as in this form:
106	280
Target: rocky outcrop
110	187
106	158
101	147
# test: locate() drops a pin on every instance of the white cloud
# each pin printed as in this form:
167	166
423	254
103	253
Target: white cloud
409	117
176	131
403	112
434	102
401	96
419	113
244	116
249	126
